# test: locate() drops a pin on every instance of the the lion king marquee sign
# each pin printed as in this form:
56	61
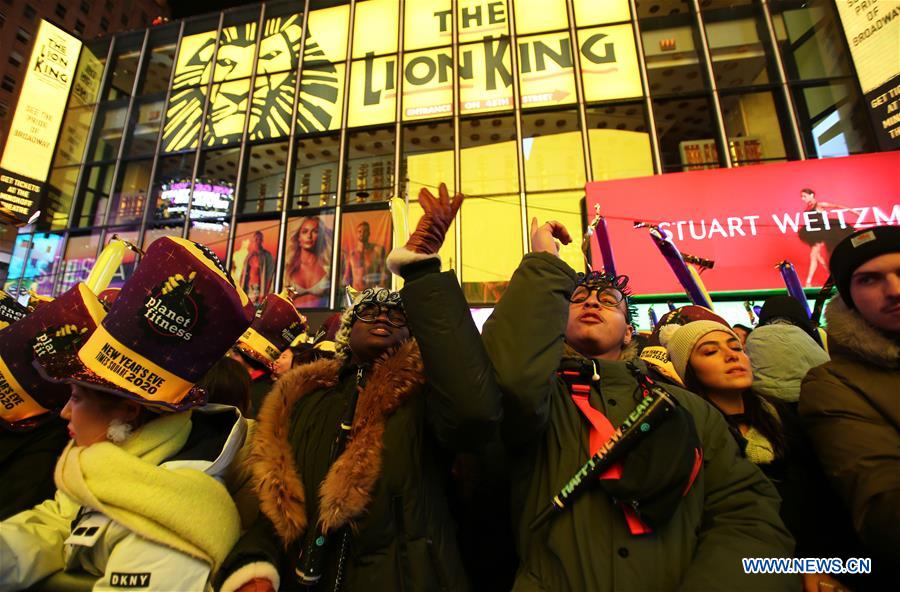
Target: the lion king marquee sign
604	49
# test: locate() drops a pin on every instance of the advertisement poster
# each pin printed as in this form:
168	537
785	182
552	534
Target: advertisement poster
365	242
253	259
307	264
872	28
746	220
35	125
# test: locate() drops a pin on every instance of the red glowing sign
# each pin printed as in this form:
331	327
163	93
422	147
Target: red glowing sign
746	219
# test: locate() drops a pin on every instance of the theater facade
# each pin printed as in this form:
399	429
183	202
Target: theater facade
277	134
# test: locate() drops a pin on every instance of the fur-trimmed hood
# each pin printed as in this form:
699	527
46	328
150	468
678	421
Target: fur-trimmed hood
849	330
347	489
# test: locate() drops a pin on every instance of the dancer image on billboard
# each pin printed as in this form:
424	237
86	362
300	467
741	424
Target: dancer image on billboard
363	257
258	270
821	242
308	264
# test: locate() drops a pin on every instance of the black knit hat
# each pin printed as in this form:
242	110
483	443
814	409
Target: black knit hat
856	249
787	308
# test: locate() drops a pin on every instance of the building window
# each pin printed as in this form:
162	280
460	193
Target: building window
109	6
4	109
23	36
8	84
2	20
104	23
15	58
29	12
85	6
61	11
124	19
79	27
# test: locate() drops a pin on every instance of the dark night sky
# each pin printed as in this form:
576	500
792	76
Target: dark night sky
185	8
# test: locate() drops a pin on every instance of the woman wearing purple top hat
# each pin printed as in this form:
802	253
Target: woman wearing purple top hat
139	503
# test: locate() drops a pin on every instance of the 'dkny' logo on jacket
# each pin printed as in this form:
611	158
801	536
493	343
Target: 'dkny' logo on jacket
173	308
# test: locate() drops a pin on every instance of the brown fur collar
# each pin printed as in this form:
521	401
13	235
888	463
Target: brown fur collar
347	489
848	329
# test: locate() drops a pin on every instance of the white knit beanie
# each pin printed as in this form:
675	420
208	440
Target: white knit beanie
679	340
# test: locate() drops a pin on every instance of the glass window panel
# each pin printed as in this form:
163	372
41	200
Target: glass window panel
373	91
370	166
108	133
546	70
552	150
485	77
236	52
619	142
86	85
170	188
565	207
427	162
124	66
195	58
365	242
146	118
810	36
375	27
670	47
38	269
488	157
609	63
226	113
160	59
753	124
491	224
183	119
427	23
129	200
308	254
315	176
264	178
833	119
321	97
253	259
81	252
536	16
213	199
73	136
735	31
156	231
60	191
477	20
94	195
591	12
686	134
280	44
270	111
428	84
327	31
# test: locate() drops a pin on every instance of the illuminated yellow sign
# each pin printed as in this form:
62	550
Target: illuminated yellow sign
873	31
35	125
593	12
609	64
546	67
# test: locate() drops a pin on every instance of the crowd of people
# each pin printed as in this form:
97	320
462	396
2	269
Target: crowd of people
177	437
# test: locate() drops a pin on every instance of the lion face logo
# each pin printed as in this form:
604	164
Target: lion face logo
272	98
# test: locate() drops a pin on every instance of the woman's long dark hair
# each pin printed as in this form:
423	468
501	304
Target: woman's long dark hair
755	414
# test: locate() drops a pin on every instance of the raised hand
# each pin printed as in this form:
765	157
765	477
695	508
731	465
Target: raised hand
439	214
544	237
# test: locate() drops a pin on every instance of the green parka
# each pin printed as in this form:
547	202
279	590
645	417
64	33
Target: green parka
419	404
729	513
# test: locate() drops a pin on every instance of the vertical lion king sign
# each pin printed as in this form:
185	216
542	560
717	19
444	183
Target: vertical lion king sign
39	113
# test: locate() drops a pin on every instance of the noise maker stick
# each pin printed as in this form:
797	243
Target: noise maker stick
650	412
792	282
106	265
400	223
748	306
602	234
688	281
654	320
